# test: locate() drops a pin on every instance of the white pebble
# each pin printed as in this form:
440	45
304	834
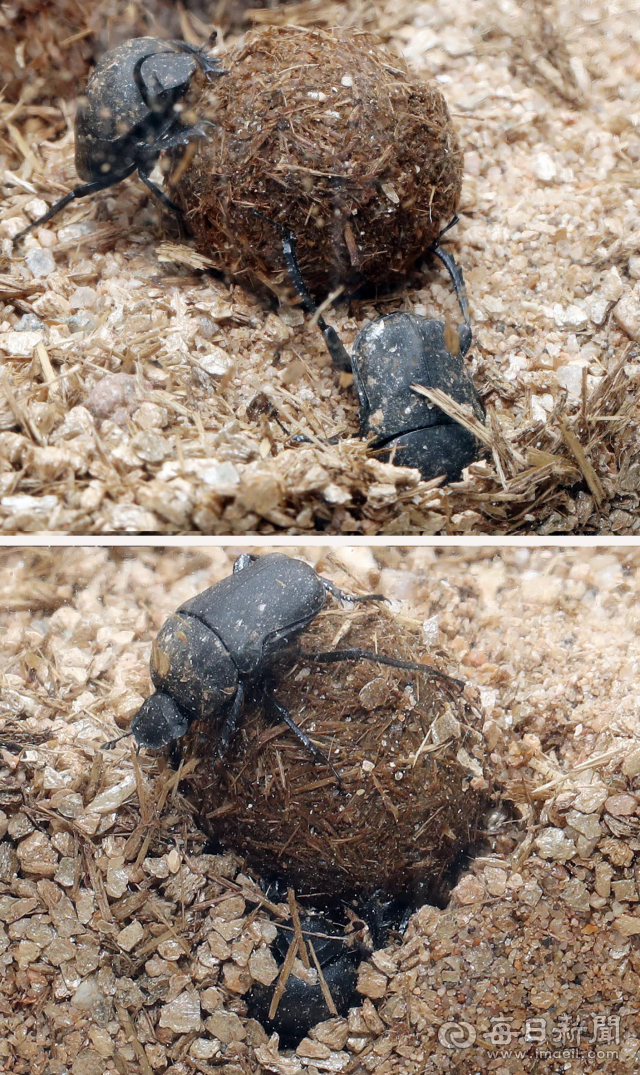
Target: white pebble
598	307
83	298
570	377
217	363
40	262
553	844
130	936
18	342
181	1015
221	477
613	285
113	797
545	167
570	316
627	313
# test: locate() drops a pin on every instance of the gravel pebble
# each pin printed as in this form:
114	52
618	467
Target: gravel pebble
40	262
181	1015
627	313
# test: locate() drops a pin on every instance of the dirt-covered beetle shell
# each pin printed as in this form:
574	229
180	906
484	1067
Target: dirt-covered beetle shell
233	641
230	630
394	352
191	664
128	116
131	93
260	608
391	356
302	1004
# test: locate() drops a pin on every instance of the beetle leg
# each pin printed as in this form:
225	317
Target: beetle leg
457	279
455	272
167	140
78	192
341	595
143	89
230	722
112	742
276	706
242	561
382	914
175	134
335	346
333	655
209	65
301	438
452	223
159	194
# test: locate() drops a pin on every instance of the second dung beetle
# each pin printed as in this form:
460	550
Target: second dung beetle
390	357
303	1003
228	644
339	937
128	115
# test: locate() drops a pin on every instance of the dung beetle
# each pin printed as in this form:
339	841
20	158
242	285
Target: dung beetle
342	936
128	116
303	1004
224	644
389	356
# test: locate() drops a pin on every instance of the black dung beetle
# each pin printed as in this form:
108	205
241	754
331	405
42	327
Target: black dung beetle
224	644
390	355
303	1004
128	117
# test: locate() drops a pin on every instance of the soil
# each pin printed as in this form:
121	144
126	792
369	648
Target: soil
127	946
545	98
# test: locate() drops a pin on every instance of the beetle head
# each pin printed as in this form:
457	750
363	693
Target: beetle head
158	722
163	77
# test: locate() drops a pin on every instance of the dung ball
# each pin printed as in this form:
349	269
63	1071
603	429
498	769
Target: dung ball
330	136
409	752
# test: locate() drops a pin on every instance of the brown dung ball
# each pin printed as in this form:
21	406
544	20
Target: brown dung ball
409	751
330	136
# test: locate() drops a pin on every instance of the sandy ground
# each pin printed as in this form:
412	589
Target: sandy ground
546	100
112	917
